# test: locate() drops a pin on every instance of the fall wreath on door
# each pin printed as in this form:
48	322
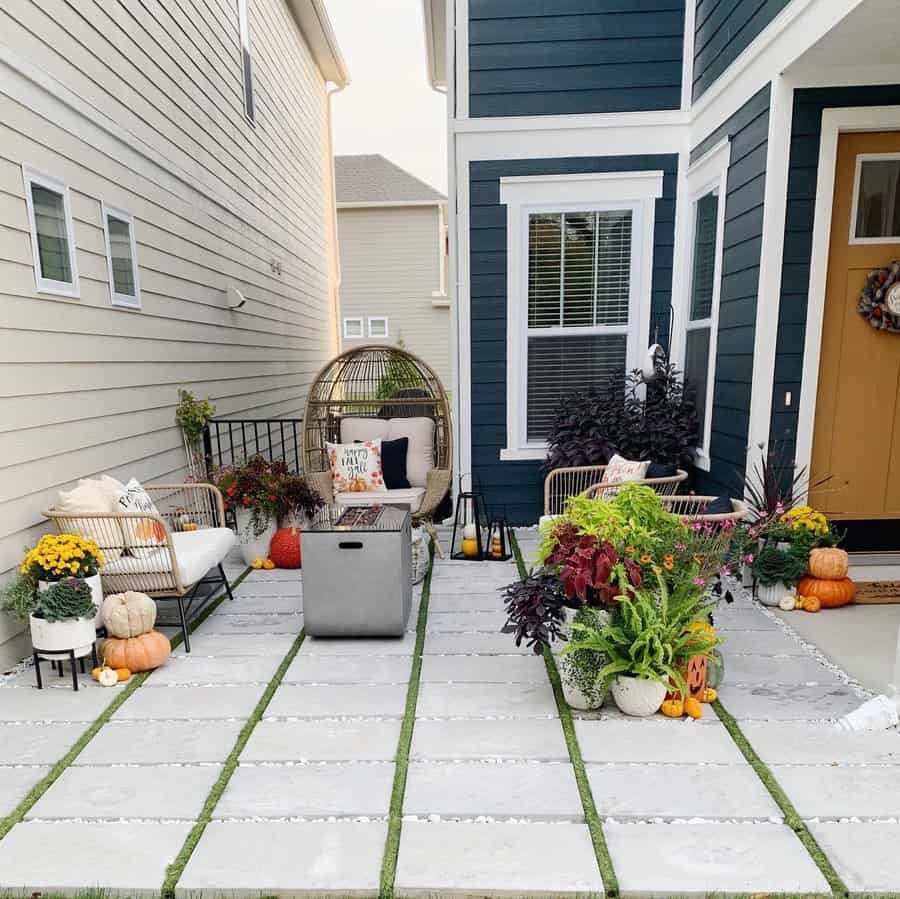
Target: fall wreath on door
879	302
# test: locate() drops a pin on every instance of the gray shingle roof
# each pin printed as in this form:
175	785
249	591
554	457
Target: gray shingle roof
374	179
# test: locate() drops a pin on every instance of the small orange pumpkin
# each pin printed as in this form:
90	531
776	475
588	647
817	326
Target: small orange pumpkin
692	708
829	563
830	593
672	708
141	653
811	604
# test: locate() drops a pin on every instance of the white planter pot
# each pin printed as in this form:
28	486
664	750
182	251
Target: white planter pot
253	545
636	697
76	634
574	695
772	594
96	586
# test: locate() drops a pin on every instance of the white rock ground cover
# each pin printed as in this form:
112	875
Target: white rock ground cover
491	803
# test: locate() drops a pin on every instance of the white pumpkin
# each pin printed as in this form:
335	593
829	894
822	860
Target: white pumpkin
128	614
107	677
786	603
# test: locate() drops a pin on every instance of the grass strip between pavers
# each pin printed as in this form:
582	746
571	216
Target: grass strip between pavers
401	763
176	868
591	816
791	817
37	791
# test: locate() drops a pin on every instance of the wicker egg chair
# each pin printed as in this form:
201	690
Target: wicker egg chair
379	382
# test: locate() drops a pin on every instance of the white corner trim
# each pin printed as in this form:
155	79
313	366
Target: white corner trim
768	298
582	192
834	122
460	47
42	284
123	300
687	59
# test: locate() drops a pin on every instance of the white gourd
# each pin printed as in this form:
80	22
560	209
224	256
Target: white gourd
786	603
107	677
128	614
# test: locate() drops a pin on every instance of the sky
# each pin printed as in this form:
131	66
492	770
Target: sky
389	106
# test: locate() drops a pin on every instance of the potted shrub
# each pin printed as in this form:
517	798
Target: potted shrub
776	570
63	619
59	556
192	416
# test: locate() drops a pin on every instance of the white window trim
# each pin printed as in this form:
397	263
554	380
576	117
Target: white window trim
362	332
596	192
854	211
709	174
121	299
42	284
378	318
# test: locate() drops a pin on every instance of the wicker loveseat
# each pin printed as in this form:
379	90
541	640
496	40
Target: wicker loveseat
192	541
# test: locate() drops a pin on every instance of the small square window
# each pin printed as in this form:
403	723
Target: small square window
353	328
378	327
52	240
121	258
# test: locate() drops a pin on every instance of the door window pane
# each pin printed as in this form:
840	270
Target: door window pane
121	260
696	368
703	271
52	235
878	200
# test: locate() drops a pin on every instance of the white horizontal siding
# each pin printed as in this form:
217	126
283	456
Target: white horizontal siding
138	104
390	267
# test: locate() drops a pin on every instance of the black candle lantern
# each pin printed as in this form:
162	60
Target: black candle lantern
469	528
498	540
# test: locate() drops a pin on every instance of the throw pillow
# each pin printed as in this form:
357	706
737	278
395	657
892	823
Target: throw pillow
721	505
393	463
143	537
90	497
356	467
621	470
661	470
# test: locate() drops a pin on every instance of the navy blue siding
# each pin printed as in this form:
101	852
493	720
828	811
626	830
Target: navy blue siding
748	130
722	29
806	132
515	488
533	57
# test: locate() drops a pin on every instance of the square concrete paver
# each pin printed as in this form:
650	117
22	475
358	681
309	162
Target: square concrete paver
742	618
220	645
864	853
28	704
333	646
126	858
710	859
318	669
513	738
160	742
327	740
308	791
751	669
655	741
521	669
262	605
136	791
247	625
338	701
180	703
212	671
264	858
15	784
869	791
508	789
465	622
782	702
442	599
473	644
502	859
768	643
486	700
820	743
36	744
732	792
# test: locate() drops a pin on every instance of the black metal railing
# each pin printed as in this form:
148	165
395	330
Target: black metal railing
231	440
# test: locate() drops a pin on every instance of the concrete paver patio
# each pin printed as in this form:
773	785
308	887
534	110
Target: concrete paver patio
491	802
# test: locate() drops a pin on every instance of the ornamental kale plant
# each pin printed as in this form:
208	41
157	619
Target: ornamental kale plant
656	422
65	600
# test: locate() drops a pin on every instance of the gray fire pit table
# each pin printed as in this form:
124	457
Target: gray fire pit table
357	572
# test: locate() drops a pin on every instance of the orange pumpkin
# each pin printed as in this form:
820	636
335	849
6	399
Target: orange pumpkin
830	593
141	653
285	548
828	563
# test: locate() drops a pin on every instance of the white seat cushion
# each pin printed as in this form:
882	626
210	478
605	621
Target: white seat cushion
411	497
419	431
196	552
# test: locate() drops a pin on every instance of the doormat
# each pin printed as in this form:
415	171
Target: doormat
878	592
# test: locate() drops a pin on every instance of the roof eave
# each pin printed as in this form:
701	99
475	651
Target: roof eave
313	21
436	42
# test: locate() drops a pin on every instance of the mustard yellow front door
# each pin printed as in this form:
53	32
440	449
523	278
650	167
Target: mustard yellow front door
856	437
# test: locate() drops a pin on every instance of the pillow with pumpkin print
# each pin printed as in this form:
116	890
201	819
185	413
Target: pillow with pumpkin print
143	536
356	467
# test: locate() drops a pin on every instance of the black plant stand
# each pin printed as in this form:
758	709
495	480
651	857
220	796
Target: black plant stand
57	660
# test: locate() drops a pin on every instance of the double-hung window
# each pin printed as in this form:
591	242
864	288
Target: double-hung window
246	58
121	258
52	236
707	182
580	253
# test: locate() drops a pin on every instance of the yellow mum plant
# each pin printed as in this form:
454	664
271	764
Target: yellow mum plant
807	518
58	556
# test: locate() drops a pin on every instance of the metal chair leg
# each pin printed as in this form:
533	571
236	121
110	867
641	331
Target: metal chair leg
37	671
227	585
184	627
